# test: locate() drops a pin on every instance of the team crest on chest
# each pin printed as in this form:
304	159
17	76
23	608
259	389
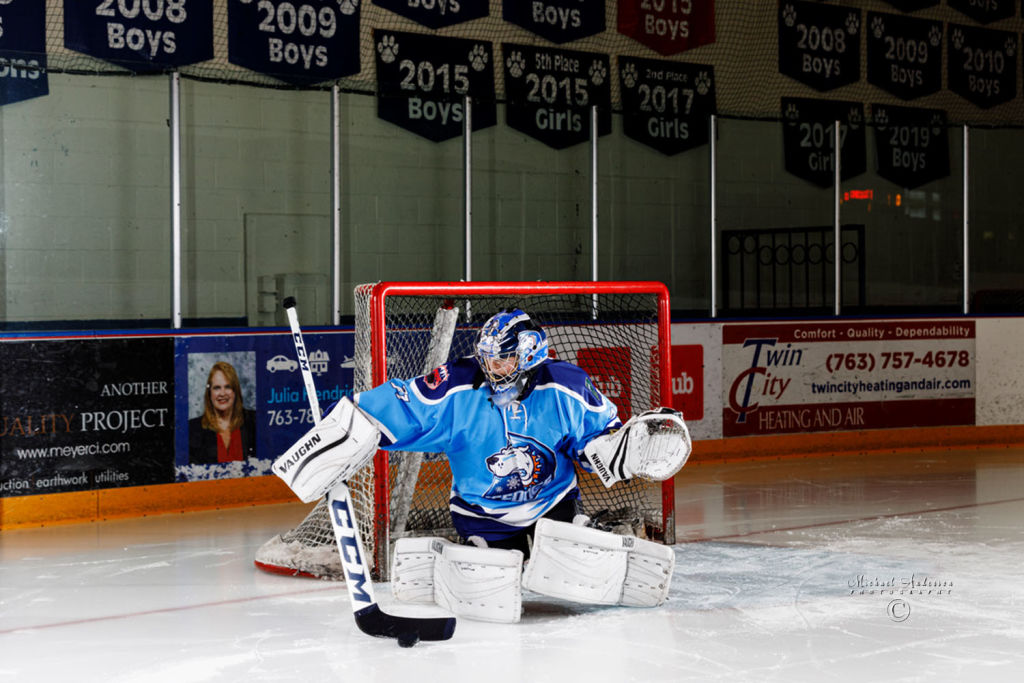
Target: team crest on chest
519	469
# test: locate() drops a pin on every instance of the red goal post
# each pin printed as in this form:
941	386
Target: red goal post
619	332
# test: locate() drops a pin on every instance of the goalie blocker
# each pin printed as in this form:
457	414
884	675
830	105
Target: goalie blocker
337	447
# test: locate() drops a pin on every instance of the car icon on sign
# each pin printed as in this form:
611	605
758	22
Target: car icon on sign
282	363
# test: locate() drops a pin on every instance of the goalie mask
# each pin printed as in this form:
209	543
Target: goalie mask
509	345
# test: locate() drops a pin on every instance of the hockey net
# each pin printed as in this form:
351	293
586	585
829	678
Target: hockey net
617	331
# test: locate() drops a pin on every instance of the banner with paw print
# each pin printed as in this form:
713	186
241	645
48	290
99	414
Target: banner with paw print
550	93
982	64
666	105
423	80
808	136
911	144
819	45
904	55
299	43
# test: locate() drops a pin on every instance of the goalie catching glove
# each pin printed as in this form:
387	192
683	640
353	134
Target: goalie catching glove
332	451
652	445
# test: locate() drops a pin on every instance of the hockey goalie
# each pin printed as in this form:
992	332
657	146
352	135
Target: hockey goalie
514	422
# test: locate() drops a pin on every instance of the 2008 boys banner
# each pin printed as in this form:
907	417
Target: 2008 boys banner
835	376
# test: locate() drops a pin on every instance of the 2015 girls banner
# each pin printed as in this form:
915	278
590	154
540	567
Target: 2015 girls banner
140	35
422	82
559	21
550	93
86	414
22	30
668	26
666	105
302	42
437	13
810	377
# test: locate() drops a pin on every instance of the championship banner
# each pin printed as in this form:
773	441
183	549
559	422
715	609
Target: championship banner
437	13
985	11
299	43
140	35
814	377
559	21
912	145
550	93
668	26
422	81
904	55
666	105
819	45
808	138
22	51
80	415
912	5
269	390
982	64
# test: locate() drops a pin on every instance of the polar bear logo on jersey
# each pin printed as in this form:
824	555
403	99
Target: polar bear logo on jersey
518	469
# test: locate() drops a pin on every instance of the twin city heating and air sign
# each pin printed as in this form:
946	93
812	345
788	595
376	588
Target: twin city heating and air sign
811	377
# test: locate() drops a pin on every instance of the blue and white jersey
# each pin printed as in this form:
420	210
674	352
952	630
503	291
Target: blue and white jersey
509	465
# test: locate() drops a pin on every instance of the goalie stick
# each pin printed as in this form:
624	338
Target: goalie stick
369	617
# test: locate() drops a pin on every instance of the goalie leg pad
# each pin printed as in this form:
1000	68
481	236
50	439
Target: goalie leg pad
596	567
471	582
332	451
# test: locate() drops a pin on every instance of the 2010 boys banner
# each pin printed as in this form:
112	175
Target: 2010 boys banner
836	376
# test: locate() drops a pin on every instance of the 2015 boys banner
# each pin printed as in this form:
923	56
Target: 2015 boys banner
301	42
437	13
550	93
86	414
911	145
422	82
140	35
836	376
808	136
819	45
904	54
559	21
666	105
22	51
668	26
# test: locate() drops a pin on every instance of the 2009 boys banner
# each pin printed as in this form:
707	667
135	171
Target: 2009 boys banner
812	377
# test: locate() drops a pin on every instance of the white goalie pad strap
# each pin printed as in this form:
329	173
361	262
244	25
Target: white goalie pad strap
596	567
332	451
652	445
471	582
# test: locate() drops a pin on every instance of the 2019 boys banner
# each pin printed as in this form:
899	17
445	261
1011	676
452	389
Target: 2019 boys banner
813	377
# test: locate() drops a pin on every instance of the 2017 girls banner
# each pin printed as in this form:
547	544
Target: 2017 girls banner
904	55
668	26
22	30
836	376
140	35
808	136
297	42
437	13
422	82
550	93
667	105
819	45
86	414
559	21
